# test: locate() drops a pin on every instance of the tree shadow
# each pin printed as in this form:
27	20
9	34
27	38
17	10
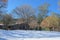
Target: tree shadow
3	39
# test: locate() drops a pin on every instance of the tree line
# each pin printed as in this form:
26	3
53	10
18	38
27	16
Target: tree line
26	14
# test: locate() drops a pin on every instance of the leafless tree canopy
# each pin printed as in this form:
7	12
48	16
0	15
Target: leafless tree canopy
24	11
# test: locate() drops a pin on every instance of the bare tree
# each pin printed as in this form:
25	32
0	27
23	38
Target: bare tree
7	19
24	11
43	11
3	6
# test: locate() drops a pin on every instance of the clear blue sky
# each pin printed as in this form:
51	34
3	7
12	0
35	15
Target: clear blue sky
12	4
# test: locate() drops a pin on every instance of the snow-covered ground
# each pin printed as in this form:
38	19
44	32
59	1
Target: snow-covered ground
28	35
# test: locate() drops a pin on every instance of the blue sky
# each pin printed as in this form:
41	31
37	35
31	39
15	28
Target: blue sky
12	4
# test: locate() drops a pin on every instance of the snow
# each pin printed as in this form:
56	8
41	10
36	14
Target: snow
28	35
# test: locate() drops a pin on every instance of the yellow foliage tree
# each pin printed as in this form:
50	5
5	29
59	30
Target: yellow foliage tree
50	22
